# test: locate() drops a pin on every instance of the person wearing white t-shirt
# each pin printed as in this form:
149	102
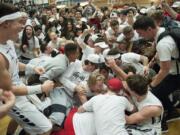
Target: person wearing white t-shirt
109	110
128	35
55	41
113	31
29	45
83	123
72	92
147	119
61	100
132	59
23	112
167	79
99	47
32	20
74	78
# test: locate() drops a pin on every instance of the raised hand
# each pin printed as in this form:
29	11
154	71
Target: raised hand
8	98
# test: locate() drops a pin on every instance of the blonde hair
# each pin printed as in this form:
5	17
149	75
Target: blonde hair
94	77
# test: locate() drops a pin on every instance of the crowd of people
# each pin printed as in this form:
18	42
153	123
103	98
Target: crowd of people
89	70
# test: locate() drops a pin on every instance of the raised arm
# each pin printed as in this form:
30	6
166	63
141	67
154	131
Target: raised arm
168	9
145	62
112	64
81	38
143	115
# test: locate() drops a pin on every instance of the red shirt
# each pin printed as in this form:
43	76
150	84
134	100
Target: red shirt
178	17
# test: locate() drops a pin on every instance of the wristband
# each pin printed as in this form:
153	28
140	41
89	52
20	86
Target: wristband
34	89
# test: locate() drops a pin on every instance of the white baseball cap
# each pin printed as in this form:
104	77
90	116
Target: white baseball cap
143	10
101	45
51	20
94	37
116	56
176	4
113	14
105	52
83	19
94	58
120	38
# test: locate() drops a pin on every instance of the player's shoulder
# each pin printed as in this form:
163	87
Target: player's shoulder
3	61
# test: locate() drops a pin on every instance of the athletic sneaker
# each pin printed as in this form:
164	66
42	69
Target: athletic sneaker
178	106
175	98
164	127
173	116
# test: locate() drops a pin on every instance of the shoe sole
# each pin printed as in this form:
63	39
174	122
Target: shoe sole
164	131
174	119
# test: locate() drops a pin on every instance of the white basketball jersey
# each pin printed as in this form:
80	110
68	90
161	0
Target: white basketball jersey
150	100
9	53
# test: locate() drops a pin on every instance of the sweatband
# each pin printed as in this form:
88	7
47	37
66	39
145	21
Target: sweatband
12	16
113	56
34	89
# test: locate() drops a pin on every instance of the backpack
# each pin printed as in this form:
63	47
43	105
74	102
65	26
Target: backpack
169	23
175	34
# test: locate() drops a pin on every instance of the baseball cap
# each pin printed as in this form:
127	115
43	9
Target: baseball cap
94	37
101	45
83	19
94	58
143	10
113	14
176	4
115	85
120	38
115	56
51	20
105	52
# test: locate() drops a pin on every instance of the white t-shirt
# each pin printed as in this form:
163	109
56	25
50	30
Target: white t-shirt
29	50
29	21
134	60
150	100
41	36
166	48
74	75
89	50
110	32
56	44
83	123
109	113
122	37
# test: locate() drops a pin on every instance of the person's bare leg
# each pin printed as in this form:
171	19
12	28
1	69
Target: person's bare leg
12	127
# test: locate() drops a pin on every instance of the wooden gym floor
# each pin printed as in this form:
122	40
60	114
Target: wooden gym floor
174	127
